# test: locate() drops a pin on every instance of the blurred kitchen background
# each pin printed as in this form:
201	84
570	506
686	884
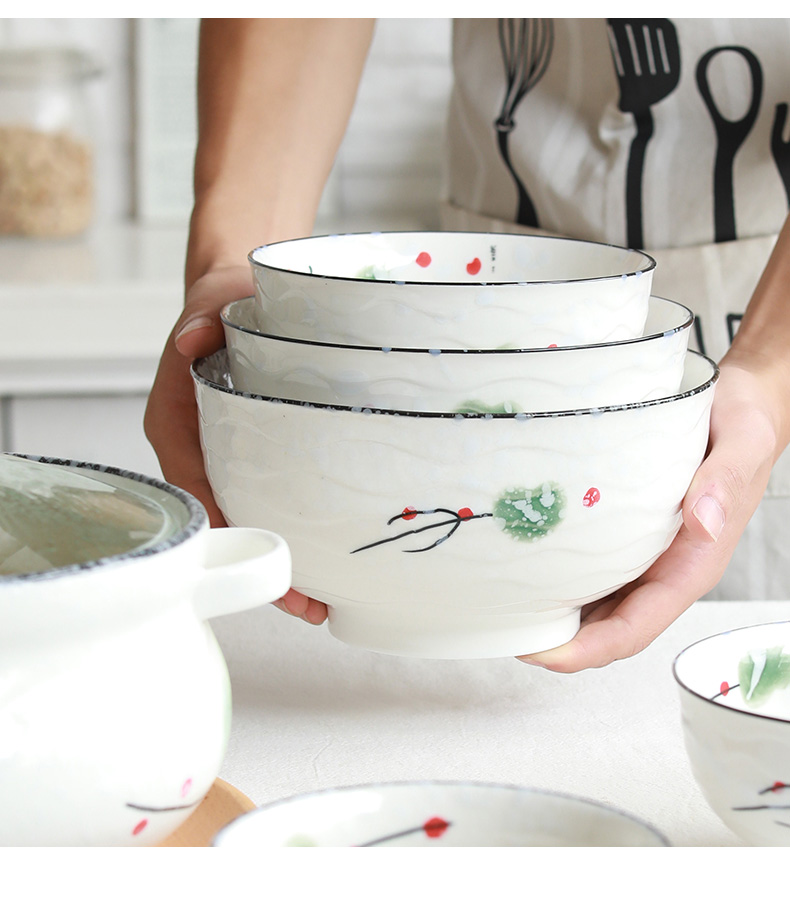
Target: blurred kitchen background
84	316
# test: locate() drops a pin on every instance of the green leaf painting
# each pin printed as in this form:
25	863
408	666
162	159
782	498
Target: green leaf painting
763	672
529	514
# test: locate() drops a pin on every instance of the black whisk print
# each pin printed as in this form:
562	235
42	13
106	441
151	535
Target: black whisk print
526	46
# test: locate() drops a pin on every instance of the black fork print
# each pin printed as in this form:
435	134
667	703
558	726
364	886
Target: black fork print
647	63
730	135
526	46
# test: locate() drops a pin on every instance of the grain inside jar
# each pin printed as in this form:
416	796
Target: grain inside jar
46	141
46	182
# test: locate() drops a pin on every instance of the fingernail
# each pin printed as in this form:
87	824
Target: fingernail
200	322
533	661
710	515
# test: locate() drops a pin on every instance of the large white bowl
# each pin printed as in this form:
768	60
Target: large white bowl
735	706
435	814
456	536
114	695
451	290
566	378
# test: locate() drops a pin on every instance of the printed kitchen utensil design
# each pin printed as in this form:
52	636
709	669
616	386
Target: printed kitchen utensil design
730	136
526	46
646	57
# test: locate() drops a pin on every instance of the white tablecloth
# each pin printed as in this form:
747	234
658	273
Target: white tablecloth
310	712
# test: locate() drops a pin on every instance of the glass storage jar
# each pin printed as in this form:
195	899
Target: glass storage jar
46	141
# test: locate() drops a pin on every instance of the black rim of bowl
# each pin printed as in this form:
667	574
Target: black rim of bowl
650	263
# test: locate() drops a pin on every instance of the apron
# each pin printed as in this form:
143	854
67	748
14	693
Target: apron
670	136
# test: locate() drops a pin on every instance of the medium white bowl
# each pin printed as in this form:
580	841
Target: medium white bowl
456	536
451	290
114	695
735	706
510	381
435	814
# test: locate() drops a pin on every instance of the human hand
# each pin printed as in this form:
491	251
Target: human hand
171	417
726	489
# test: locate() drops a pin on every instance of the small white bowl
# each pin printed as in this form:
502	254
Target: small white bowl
638	369
735	706
435	814
456	536
451	290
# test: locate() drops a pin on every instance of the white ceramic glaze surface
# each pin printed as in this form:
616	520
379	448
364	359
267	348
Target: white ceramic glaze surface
639	369
435	814
735	707
451	290
456	536
114	695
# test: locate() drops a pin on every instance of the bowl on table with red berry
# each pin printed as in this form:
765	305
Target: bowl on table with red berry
435	814
442	290
735	708
456	535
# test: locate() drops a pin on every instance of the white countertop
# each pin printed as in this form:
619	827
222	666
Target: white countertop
93	312
310	712
89	312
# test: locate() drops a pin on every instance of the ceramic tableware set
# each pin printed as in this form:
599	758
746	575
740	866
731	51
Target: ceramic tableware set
505	425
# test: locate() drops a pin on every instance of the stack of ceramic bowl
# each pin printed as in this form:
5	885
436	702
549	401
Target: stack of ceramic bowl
463	437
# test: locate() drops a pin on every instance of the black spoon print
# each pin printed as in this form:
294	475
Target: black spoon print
526	46
780	147
730	135
647	63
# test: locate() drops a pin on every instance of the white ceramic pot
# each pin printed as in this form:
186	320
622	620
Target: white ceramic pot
454	536
451	290
735	707
434	814
114	695
567	378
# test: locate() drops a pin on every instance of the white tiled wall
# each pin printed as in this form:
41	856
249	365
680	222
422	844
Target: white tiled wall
389	162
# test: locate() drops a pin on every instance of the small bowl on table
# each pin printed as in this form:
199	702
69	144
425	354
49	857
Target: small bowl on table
446	290
502	380
735	707
443	535
435	814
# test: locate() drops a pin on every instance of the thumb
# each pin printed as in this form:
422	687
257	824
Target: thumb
727	487
199	331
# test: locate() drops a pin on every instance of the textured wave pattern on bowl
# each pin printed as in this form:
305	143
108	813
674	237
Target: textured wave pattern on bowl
600	493
400	315
451	290
249	461
451	380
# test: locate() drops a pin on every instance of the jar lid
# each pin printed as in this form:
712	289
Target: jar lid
59	515
35	65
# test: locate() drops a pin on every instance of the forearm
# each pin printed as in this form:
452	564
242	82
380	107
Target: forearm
274	99
762	343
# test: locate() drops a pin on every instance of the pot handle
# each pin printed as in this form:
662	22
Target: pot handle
244	567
